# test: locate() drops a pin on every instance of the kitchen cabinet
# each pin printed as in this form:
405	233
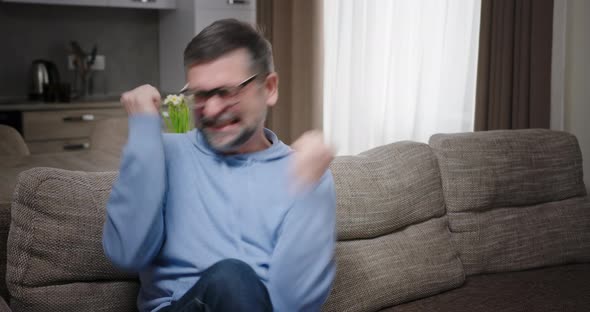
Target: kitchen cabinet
179	26
226	4
64	2
63	130
143	4
50	128
138	4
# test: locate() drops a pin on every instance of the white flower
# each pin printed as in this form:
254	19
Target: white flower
174	99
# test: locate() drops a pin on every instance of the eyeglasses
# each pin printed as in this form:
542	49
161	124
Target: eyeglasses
200	97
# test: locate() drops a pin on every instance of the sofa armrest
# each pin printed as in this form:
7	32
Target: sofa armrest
4	228
55	256
3	306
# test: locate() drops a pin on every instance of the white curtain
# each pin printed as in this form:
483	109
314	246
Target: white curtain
398	70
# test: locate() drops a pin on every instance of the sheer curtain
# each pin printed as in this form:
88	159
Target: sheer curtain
398	70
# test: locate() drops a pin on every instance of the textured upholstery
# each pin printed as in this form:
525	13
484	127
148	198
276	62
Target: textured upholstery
11	142
394	244
553	289
507	168
10	167
4	227
385	189
55	256
515	199
512	239
4	306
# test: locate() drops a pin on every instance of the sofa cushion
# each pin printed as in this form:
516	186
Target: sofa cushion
508	168
515	198
393	239
55	256
518	238
386	189
552	289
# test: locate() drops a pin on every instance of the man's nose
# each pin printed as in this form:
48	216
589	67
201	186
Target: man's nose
213	106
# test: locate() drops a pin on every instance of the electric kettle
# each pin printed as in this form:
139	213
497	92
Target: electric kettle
44	80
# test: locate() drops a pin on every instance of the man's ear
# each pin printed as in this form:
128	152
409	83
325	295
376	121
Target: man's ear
271	88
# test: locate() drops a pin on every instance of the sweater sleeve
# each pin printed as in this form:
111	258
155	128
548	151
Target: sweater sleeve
302	266
134	228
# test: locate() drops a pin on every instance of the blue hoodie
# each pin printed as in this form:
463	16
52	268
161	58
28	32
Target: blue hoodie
178	207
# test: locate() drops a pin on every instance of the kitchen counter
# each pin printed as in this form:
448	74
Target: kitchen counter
58	127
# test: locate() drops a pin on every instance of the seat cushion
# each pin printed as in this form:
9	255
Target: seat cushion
552	289
393	238
55	256
520	238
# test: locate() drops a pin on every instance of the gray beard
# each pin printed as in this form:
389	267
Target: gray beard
245	134
243	137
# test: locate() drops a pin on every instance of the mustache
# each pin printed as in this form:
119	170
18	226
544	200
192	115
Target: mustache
214	121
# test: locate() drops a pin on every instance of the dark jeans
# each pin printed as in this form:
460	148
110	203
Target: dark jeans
228	285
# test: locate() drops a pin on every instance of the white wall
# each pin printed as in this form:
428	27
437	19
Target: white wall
576	108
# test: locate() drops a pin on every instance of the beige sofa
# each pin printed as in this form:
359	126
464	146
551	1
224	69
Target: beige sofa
11	142
488	221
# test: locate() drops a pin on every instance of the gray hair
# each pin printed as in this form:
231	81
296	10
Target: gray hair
225	36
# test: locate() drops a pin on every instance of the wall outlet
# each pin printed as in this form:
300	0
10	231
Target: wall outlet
99	62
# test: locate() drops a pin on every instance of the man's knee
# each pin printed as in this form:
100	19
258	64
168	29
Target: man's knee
231	272
232	285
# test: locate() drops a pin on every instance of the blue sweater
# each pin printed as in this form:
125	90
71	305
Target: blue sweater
178	207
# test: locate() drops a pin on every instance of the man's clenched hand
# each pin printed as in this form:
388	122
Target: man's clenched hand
142	100
311	159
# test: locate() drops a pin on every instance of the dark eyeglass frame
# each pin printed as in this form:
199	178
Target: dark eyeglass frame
200	97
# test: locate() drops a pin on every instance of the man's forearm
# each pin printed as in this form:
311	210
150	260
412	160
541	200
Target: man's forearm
302	267
133	230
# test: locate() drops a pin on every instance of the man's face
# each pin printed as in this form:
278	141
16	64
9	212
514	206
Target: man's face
231	121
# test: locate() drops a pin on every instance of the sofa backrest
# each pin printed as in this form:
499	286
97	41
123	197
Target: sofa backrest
393	238
515	198
12	142
55	256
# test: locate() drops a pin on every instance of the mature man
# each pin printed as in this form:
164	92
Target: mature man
226	217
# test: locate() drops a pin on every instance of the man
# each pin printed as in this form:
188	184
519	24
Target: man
226	217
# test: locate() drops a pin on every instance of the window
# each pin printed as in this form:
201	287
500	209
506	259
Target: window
398	70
